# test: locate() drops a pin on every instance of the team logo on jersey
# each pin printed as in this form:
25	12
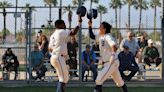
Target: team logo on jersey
102	42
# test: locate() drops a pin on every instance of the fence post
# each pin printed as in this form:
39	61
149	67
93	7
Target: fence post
162	31
29	45
80	48
26	35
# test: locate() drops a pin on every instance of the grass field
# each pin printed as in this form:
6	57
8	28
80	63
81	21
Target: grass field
79	89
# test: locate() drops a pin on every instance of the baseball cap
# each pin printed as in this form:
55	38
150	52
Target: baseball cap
125	47
88	46
150	41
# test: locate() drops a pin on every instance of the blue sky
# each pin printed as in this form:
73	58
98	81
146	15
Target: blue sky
41	15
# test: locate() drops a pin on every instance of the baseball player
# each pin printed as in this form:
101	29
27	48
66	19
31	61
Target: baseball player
58	48
108	48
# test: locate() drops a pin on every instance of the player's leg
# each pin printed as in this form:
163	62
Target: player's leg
103	75
118	79
119	82
61	69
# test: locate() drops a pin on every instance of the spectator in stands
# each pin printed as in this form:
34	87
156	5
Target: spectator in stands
37	63
88	62
42	42
72	47
127	62
131	43
151	55
142	42
10	62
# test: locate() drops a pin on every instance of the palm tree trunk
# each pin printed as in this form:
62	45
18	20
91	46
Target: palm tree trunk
49	12
4	21
129	16
155	11
116	18
16	19
116	22
60	10
100	18
70	19
119	17
140	20
119	35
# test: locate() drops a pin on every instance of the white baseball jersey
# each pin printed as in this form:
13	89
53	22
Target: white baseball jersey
58	41
105	43
58	44
110	69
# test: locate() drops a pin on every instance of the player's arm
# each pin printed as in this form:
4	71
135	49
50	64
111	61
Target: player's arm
50	49
77	27
112	43
114	48
91	34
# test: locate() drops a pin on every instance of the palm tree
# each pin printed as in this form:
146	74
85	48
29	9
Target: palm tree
4	4
141	5
76	2
115	4
69	10
130	3
27	7
120	4
154	4
50	3
102	10
92	1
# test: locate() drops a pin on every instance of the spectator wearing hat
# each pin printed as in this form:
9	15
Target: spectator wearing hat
151	55
127	63
88	62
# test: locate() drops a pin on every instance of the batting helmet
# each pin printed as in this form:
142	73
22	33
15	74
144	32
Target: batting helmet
81	11
92	14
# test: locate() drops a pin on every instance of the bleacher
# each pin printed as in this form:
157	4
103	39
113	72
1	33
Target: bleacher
146	73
